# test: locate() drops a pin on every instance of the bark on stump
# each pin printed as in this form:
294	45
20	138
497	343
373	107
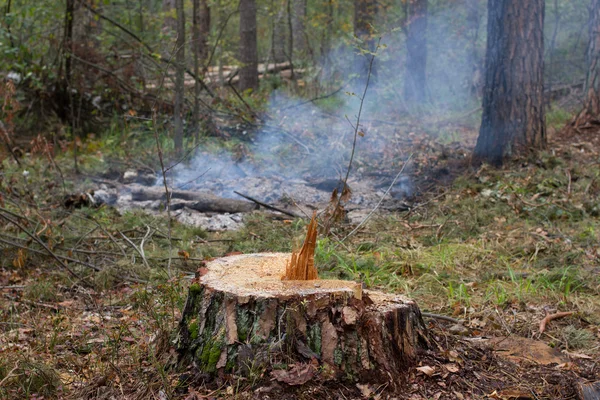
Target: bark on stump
240	316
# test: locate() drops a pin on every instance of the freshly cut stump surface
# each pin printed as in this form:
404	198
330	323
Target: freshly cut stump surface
240	315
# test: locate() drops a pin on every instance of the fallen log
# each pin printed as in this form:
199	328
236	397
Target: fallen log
241	316
199	201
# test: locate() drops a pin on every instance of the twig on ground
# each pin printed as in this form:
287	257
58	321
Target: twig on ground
325	96
378	203
6	138
141	253
69	259
142	244
41	243
442	317
424	204
107	233
551	317
10	374
265	205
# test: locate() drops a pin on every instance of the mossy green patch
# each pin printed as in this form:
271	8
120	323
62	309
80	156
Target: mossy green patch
211	352
195	289
314	337
244	322
193	329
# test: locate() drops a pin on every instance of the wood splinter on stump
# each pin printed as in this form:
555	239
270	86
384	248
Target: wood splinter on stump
302	264
264	311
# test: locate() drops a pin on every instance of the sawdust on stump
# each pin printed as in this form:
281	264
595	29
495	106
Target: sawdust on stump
266	311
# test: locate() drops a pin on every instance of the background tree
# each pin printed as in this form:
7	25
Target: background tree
248	51
591	108
201	29
179	75
279	33
200	32
365	12
415	84
299	26
513	104
170	23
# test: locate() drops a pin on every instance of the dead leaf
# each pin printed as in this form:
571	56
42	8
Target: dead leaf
184	254
518	349
298	374
427	370
365	390
19	262
452	367
346	193
368	392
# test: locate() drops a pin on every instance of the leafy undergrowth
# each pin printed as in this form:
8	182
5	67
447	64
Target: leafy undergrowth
495	250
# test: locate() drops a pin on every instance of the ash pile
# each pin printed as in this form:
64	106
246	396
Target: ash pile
216	195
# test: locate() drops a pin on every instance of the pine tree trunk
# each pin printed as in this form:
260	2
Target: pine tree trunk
179	75
279	35
299	26
170	23
240	315
196	50
204	26
248	45
415	85
513	104
591	109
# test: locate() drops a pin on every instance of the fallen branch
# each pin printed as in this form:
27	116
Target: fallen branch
69	259
442	317
265	205
137	250
551	317
204	202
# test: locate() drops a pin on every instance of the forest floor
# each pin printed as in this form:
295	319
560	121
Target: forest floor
496	251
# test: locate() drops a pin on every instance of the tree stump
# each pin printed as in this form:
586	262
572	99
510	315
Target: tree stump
240	317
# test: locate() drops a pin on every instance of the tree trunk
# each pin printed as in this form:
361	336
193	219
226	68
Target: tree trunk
473	57
179	75
248	46
240	317
290	50
201	19
169	24
199	49
279	35
68	42
513	103
591	109
66	95
415	85
298	26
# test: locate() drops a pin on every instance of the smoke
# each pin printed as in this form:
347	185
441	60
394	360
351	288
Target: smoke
304	141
